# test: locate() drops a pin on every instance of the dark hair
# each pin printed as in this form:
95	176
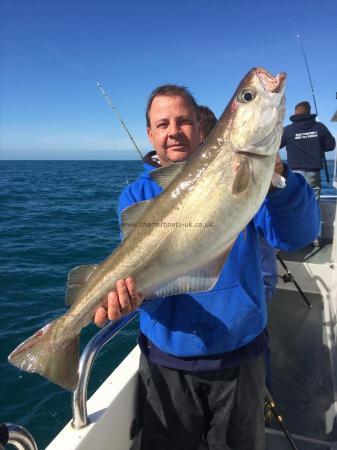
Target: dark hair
207	119
171	90
303	108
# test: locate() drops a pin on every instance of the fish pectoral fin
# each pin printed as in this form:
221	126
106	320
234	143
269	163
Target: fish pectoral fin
131	215
77	277
202	279
165	175
55	359
243	178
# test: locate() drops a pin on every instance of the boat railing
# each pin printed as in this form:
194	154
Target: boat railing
328	197
17	436
79	400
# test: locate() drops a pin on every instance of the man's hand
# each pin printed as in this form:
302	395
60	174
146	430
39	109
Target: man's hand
121	301
279	169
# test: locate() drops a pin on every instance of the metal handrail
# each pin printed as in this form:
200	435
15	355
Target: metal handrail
328	197
79	400
17	436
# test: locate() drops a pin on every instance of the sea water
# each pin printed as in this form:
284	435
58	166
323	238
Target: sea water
55	215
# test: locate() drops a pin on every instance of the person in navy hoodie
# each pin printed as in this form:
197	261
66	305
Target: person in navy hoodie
306	141
202	365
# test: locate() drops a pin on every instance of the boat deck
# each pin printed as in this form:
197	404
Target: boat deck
302	372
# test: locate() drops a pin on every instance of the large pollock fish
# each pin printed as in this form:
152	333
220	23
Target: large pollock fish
179	241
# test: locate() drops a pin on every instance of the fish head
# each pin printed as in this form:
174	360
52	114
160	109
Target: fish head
256	113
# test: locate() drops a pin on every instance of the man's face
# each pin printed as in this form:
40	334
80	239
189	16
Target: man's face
174	130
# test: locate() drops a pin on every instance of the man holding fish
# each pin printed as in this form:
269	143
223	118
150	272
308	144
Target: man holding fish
202	366
190	227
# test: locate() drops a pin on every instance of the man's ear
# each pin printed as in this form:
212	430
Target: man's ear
201	133
149	134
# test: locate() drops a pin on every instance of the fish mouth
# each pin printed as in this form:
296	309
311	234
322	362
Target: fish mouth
274	85
251	154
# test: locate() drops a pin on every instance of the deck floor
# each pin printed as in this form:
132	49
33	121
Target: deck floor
301	373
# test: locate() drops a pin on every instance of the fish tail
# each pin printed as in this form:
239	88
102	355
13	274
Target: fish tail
50	354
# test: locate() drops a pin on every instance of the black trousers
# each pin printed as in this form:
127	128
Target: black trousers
213	410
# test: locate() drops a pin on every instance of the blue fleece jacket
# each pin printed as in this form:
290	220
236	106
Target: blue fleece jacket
306	141
233	313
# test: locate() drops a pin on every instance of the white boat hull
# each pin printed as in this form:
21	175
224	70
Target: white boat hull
111	412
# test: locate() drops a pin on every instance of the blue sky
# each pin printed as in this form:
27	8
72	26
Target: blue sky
53	52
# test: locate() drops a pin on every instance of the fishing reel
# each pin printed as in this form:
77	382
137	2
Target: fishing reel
287	278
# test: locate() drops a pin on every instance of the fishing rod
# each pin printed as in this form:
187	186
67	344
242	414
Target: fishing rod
118	117
312	91
273	413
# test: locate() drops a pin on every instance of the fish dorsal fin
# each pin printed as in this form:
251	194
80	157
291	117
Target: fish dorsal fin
165	175
243	178
131	215
202	279
76	279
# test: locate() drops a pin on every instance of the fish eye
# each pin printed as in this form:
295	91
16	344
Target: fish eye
246	95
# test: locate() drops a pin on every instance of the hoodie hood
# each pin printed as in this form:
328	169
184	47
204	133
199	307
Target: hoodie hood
151	163
303	121
151	159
